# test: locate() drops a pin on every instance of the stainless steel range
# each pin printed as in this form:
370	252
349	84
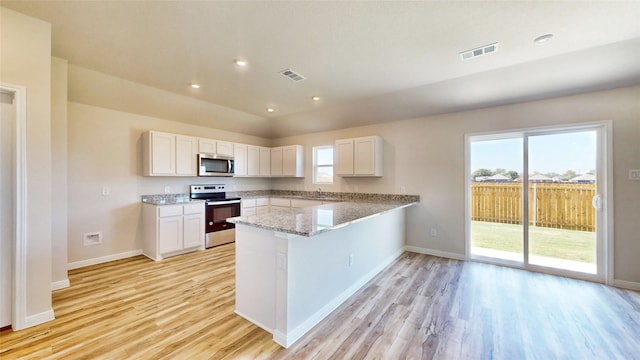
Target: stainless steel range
219	208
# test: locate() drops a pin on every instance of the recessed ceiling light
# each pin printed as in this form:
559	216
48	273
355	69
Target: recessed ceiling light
315	98
271	110
240	62
543	38
195	86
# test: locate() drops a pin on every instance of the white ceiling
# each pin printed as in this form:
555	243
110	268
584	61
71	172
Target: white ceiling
369	61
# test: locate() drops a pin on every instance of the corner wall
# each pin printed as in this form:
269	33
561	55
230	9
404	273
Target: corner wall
25	60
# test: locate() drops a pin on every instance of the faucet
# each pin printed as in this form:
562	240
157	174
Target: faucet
319	192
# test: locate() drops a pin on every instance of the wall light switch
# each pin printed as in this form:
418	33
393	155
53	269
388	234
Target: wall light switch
403	189
167	189
106	191
634	174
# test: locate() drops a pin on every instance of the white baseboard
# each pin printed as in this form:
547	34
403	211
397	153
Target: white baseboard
103	259
444	254
292	336
57	285
37	319
631	285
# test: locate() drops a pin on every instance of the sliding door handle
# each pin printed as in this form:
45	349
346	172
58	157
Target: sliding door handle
596	201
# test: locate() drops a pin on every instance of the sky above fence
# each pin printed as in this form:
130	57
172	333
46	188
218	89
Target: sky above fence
555	153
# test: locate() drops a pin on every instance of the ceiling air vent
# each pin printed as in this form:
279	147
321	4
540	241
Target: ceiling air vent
483	50
291	74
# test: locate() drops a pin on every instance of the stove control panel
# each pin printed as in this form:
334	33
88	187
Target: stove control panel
208	188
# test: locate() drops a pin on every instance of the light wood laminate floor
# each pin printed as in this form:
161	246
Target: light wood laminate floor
420	307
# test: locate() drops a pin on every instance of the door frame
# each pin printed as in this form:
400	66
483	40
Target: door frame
19	288
604	218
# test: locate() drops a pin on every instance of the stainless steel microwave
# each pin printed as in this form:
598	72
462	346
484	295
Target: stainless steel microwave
215	165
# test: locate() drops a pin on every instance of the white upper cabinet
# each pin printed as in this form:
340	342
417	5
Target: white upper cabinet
287	161
253	160
167	154
207	146
224	148
359	156
293	161
276	161
211	146
186	155
265	161
240	159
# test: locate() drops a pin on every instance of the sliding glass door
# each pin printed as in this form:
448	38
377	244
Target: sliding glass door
535	199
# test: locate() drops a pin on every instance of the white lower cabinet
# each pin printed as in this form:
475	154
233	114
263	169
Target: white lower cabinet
303	203
255	206
170	230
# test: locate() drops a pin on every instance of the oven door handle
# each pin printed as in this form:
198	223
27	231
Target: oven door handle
223	202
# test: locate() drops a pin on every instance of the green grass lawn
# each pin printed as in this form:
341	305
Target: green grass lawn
554	243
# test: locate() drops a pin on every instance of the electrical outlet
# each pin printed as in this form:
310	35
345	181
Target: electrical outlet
167	189
634	174
434	232
403	189
351	260
106	191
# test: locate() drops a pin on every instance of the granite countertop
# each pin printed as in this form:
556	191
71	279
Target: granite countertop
314	220
169	199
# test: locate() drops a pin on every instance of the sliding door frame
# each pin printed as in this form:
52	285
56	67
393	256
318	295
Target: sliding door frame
604	188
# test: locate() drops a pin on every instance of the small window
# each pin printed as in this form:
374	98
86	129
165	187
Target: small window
323	164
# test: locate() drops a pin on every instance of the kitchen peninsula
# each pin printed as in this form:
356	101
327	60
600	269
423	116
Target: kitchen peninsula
294	266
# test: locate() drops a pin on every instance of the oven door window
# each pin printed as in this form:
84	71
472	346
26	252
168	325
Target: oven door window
217	216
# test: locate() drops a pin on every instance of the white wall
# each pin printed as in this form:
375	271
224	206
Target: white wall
25	60
59	176
427	156
105	149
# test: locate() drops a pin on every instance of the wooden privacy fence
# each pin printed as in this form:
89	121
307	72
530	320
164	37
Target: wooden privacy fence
555	205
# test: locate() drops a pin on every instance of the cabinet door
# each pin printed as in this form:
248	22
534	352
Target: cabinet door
368	156
343	157
224	148
276	161
186	155
253	160
207	146
265	161
163	153
240	159
193	230
293	161
170	234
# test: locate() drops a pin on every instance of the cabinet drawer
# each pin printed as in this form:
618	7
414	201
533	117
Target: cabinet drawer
169	210
280	202
193	209
262	210
262	202
248	203
248	211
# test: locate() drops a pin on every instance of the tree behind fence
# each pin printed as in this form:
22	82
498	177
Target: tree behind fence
555	205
